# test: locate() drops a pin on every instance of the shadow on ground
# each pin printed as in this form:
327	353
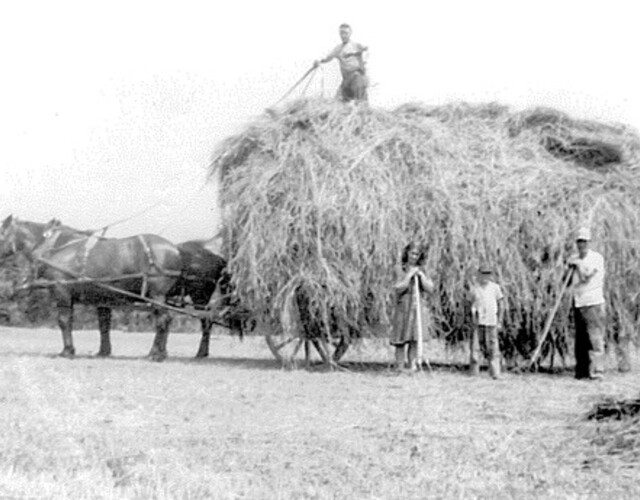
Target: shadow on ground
270	364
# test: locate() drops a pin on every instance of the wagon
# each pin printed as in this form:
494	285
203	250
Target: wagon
292	348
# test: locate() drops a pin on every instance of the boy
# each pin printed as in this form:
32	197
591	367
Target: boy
487	311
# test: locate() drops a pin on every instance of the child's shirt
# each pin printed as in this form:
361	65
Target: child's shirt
485	303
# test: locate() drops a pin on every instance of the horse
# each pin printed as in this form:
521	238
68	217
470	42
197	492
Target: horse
84	268
202	272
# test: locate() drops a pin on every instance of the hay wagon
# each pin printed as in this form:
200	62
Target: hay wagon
289	348
322	197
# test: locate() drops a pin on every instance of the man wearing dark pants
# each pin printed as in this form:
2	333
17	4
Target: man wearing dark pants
588	308
350	55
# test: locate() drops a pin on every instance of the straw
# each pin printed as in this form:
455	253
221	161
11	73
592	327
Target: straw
321	197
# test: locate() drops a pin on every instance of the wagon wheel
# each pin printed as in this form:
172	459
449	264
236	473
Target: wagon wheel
290	348
286	348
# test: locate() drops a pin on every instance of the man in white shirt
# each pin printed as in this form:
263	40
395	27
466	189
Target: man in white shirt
588	308
487	312
349	54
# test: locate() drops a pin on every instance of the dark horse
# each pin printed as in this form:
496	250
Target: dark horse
202	271
105	272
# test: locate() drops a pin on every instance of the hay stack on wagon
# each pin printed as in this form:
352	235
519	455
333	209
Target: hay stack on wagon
320	198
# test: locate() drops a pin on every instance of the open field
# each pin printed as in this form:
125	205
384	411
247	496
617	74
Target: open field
238	426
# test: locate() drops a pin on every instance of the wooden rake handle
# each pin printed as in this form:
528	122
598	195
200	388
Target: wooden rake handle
552	314
419	332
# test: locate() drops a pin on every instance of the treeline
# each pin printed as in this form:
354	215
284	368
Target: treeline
37	310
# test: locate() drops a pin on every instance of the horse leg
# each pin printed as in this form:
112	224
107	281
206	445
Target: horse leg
203	351
104	324
65	322
162	320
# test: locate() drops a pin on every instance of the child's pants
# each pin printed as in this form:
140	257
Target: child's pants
485	337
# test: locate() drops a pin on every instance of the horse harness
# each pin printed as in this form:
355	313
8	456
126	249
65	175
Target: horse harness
90	243
152	264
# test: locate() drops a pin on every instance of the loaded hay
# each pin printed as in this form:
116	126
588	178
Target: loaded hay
319	200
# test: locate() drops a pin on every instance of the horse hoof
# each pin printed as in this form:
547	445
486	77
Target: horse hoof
202	355
157	357
68	353
103	354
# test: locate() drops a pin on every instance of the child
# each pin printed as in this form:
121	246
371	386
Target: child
487	311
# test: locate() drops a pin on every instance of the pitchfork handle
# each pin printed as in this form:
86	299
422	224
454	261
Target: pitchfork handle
547	325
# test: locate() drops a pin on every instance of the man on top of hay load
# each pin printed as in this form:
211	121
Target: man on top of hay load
588	308
349	54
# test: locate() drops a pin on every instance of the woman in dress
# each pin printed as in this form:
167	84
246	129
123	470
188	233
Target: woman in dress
404	336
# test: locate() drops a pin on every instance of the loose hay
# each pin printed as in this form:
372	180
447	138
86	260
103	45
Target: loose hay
320	198
610	408
618	432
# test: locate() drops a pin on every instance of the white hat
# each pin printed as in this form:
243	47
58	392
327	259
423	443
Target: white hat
584	234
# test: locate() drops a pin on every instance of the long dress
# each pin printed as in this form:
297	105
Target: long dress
404	316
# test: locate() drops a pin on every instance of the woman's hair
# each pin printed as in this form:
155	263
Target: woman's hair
422	249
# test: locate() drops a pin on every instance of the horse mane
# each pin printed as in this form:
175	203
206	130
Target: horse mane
33	226
56	226
69	229
200	243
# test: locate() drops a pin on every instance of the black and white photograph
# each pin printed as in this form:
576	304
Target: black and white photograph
319	251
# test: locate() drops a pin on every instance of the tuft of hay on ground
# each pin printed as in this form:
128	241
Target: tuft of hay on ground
615	409
618	432
320	198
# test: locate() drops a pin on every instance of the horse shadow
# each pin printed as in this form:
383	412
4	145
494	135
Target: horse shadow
382	368
224	361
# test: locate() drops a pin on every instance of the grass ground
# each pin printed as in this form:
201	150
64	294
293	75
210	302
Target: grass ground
238	426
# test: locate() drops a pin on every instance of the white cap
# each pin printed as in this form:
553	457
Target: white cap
584	234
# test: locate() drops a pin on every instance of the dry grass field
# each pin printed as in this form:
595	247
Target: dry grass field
238	426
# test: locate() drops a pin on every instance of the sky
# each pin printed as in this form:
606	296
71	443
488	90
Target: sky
110	111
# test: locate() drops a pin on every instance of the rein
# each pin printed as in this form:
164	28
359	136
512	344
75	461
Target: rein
104	229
